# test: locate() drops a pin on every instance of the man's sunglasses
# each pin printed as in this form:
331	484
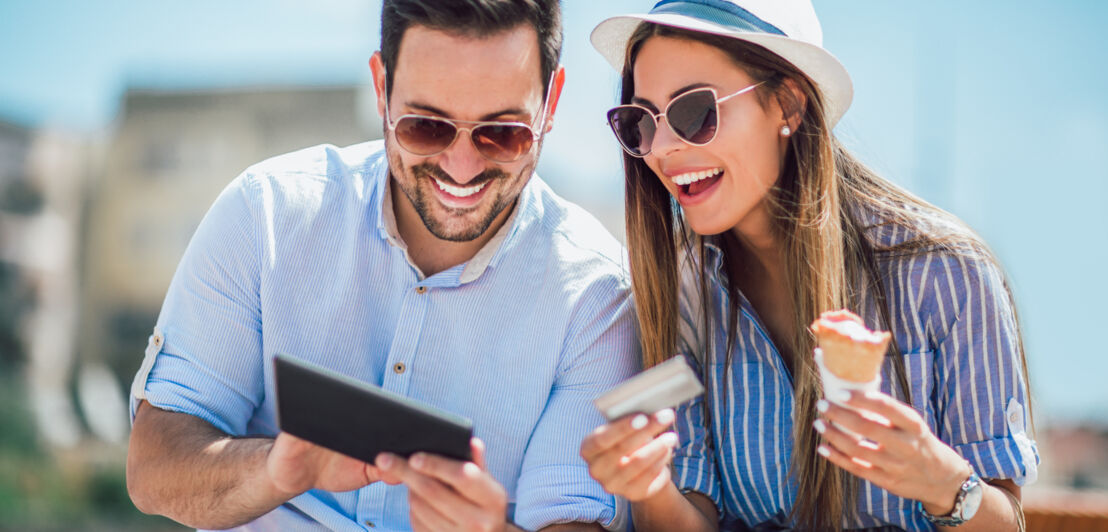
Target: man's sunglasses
502	142
692	116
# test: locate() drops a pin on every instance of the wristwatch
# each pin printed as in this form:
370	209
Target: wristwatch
965	504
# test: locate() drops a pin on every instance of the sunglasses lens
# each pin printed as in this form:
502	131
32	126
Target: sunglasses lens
502	142
634	129
693	116
425	136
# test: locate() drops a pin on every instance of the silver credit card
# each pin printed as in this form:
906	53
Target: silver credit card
663	386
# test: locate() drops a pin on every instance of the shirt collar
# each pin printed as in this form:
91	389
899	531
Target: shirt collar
386	224
713	253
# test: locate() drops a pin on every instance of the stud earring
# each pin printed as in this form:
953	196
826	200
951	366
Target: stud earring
785	131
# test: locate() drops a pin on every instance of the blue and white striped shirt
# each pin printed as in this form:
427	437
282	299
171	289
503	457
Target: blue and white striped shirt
953	322
299	255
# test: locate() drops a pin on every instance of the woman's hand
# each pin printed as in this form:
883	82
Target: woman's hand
630	456
893	448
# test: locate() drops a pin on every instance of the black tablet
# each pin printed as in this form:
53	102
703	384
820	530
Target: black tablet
361	420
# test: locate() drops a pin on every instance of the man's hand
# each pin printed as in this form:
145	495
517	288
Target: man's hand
182	467
295	466
445	494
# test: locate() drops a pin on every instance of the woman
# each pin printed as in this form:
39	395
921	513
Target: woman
746	219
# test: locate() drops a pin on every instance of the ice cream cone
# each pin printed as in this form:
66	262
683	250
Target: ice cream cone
850	351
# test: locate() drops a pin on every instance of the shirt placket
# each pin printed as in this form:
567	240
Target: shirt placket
397	379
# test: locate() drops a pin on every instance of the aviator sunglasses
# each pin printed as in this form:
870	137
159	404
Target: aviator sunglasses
693	116
502	142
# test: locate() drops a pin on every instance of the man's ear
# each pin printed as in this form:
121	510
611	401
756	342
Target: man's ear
556	83
377	67
793	103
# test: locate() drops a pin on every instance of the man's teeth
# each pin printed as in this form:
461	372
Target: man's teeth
461	192
692	177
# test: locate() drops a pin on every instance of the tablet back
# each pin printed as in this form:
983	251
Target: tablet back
360	420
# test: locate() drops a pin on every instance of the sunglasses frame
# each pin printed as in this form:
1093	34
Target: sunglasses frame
474	124
716	100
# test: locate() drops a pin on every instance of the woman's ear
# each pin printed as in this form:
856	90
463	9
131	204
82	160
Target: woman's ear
793	103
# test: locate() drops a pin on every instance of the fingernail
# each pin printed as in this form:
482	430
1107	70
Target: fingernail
384	461
639	422
665	417
669	438
820	426
417	461
823	451
471	470
822	406
841	396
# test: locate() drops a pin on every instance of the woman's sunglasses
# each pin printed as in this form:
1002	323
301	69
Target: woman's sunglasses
502	142
692	116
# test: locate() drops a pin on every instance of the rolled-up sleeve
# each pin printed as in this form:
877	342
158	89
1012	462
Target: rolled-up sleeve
983	408
204	358
600	351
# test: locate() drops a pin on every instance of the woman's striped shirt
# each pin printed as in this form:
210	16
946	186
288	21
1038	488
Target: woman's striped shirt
954	324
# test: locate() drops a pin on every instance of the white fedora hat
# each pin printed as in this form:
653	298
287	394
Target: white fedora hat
788	28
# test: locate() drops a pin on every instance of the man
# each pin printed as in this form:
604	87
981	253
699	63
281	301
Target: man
433	265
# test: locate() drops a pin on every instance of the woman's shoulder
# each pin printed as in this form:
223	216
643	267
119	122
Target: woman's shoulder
891	227
933	266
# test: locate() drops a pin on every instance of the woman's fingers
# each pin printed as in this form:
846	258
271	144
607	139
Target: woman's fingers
639	472
857	422
900	415
867	451
865	471
626	434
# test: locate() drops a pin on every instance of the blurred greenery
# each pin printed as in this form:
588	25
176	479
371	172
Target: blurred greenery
79	489
15	297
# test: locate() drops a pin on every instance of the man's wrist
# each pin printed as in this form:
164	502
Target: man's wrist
273	488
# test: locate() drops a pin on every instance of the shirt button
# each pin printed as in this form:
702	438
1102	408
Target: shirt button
370	524
421	289
399	368
1014	417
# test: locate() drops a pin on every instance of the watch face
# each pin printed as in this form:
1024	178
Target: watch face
972	501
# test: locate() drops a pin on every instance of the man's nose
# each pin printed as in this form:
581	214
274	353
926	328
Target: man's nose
461	160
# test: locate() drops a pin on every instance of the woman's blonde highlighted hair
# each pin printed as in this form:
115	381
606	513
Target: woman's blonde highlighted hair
829	261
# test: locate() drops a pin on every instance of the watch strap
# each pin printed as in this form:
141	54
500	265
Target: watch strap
955	517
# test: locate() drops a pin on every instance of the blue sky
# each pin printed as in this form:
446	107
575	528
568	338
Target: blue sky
994	110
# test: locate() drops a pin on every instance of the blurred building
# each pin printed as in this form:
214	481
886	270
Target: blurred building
18	198
43	178
169	155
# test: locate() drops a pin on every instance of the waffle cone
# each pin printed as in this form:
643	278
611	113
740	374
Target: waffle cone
850	350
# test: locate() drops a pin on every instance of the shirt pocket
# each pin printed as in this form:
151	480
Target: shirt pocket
920	372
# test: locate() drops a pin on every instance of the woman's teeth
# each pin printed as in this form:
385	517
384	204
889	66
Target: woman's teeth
693	177
461	192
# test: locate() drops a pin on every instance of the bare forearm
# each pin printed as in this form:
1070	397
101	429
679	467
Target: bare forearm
670	510
564	527
181	467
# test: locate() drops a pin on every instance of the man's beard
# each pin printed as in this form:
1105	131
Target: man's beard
424	205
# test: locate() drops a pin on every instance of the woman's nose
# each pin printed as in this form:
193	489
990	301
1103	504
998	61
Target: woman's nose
665	141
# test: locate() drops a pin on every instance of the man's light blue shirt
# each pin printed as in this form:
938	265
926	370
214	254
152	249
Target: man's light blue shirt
299	255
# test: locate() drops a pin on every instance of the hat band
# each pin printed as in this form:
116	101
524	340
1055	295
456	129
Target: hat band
718	12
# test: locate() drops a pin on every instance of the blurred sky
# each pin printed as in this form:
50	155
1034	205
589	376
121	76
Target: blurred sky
993	109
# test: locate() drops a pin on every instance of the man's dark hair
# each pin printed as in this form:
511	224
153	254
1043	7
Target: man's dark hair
474	18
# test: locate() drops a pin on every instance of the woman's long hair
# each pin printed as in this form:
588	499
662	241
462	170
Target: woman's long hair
830	262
